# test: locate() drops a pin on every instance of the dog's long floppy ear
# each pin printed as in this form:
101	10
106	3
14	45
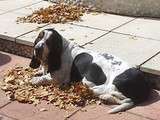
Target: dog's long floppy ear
55	50
35	63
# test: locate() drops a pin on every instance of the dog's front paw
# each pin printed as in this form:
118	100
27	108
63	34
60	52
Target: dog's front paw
36	80
38	73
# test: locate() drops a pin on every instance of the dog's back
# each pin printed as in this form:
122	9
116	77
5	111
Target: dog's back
133	84
105	71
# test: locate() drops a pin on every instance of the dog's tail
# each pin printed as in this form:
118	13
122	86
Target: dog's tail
122	107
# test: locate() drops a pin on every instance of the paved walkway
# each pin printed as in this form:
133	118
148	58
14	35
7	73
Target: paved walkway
135	40
12	110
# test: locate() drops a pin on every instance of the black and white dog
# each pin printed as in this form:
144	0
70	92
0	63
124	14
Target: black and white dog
110	78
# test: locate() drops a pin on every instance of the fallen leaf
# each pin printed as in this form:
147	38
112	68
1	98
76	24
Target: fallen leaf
42	109
56	13
16	84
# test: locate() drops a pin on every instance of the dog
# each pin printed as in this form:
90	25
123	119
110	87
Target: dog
110	78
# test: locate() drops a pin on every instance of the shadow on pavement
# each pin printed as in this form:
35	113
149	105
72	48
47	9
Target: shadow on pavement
4	59
154	97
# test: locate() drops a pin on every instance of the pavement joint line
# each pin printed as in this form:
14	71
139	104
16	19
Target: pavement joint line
136	36
69	116
13	10
90	42
8	116
69	24
85	26
103	29
123	24
31	31
149	58
5	104
108	31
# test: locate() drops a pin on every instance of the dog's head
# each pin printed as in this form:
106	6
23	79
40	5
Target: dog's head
47	50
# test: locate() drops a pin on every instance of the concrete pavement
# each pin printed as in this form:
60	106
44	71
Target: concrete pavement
12	110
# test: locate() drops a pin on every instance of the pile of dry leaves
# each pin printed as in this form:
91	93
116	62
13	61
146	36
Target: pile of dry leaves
57	13
16	85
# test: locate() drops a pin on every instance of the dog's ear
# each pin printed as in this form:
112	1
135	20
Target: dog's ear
35	63
55	46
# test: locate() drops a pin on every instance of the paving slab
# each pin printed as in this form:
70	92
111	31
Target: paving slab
150	108
95	112
81	35
132	49
152	66
103	21
3	117
1	11
30	112
8	61
148	28
8	5
19	111
10	29
30	9
3	99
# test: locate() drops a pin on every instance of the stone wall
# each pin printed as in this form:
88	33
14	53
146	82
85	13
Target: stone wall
16	48
145	8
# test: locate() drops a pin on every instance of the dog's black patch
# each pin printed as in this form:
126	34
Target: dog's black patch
116	63
55	46
108	57
83	67
80	65
35	63
133	85
95	74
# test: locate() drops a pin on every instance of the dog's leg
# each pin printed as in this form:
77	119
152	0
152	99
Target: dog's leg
88	83
118	95
42	71
124	105
117	98
41	80
98	90
109	98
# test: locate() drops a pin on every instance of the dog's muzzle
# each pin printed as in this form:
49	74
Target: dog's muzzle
37	56
35	62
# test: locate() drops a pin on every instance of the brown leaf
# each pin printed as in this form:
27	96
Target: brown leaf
17	87
59	13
